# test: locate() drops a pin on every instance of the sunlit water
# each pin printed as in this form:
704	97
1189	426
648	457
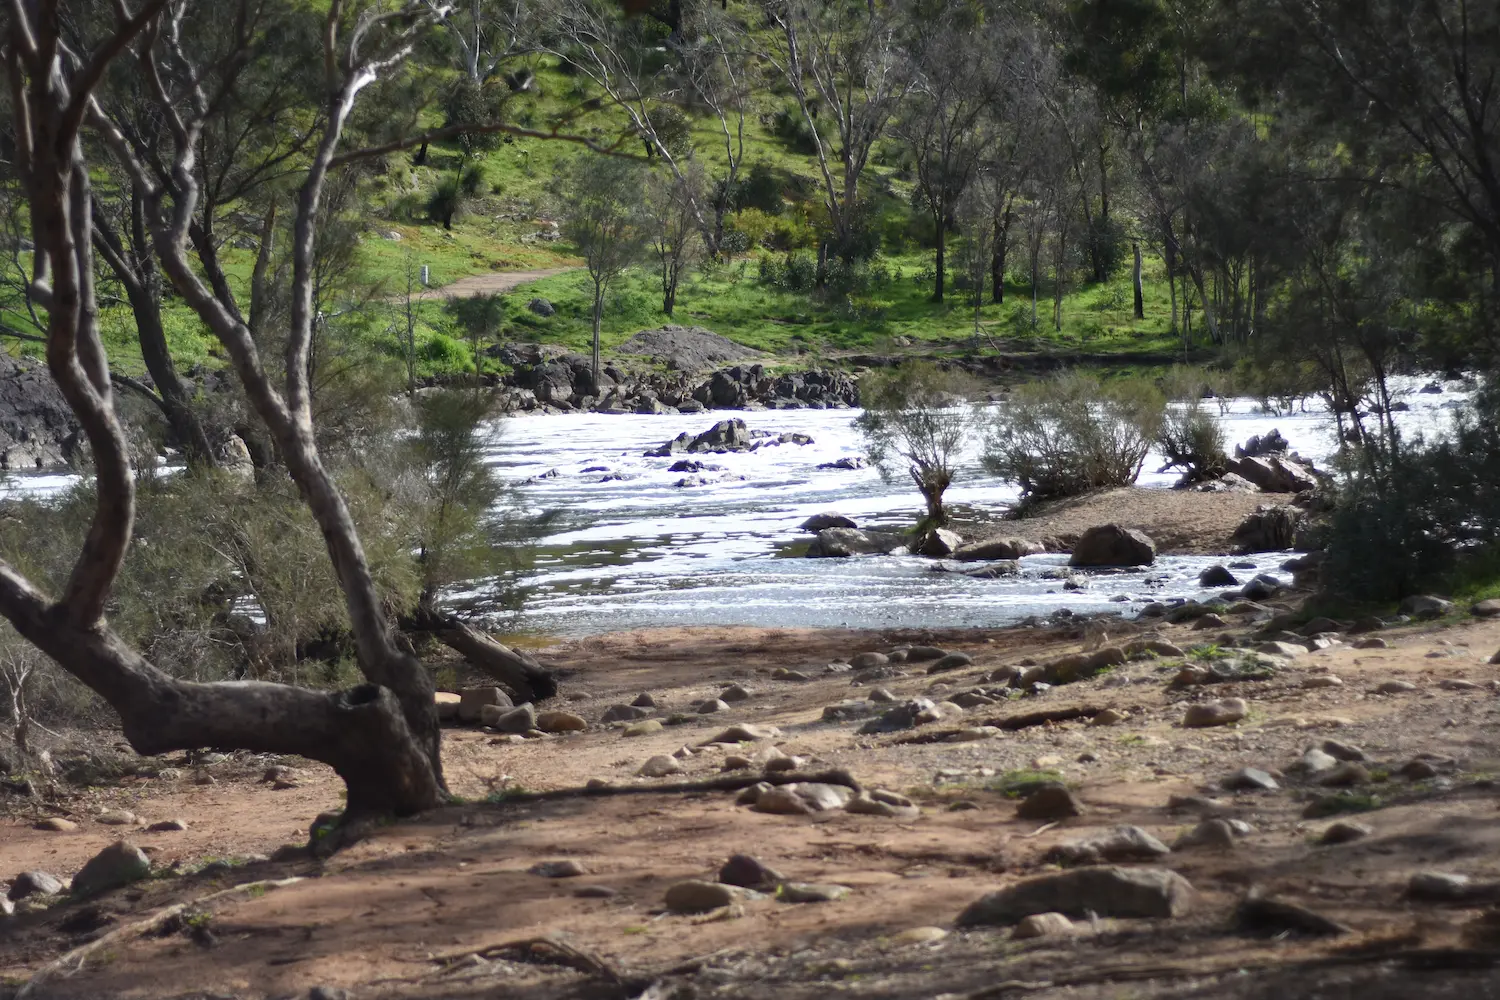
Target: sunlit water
640	550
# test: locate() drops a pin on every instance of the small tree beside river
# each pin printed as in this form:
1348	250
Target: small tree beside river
916	420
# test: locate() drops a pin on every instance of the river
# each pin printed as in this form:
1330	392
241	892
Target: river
630	548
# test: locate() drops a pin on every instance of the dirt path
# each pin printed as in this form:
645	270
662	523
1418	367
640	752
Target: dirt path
404	913
493	283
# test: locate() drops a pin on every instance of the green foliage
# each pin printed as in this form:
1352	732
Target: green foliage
1405	520
1073	433
1021	783
1192	439
916	418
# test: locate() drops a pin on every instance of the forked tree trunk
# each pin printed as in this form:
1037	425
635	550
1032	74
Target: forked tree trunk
525	678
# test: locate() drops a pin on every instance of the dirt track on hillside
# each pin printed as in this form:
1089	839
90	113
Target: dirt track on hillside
494	283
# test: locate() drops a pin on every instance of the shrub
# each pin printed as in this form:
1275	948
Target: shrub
1403	522
1073	433
1192	440
916	419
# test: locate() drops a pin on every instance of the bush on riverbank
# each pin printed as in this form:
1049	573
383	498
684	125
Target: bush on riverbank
1073	433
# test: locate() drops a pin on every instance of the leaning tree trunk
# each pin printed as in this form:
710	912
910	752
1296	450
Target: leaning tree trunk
518	672
1135	281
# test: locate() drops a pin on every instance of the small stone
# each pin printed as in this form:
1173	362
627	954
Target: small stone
1425	606
1279	648
595	892
781	800
566	868
659	766
743	733
168	826
1322	681
737	762
881	696
1314	761
1106	892
55	824
117	817
447	703
734	693
560	722
864	661
623	713
749	872
783	674
1442	887
1197	804
121	863
643	700
1217	576
28	884
643	728
1372	642
1344	832
952	661
471	703
1395	687
1418	770
812	892
1109	717
750	796
1124	843
710	706
696	896
1043	925
1248	779
1457	684
919	935
1486	609
1215	713
1049	802
509	720
1209	621
784	762
821	797
866	804
1216	834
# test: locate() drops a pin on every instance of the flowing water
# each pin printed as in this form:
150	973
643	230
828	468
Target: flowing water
633	548
629	547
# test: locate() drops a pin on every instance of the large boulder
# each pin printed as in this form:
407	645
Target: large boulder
839	542
1271	443
37	429
939	543
1113	545
998	548
121	863
1107	892
1274	474
820	522
1272	528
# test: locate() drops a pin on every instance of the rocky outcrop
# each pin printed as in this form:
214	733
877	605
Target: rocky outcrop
686	348
1275	474
839	542
37	429
998	548
1272	528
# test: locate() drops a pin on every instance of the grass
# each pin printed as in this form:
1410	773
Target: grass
1020	783
1342	802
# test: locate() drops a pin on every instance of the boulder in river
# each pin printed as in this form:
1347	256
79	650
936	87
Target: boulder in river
834	542
1274	474
1113	545
1272	528
818	522
998	548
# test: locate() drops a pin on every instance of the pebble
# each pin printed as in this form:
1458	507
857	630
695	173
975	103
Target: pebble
734	692
56	824
1109	717
783	674
737	762
519	720
1371	642
1322	681
1249	779
1395	687
1344	831
812	892
659	766
743	733
1345	776
117	817
644	700
864	661
749	872
29	884
1043	925
882	696
1440	886
623	713
919	935
1215	713
168	826
643	728
561	722
1456	684
1315	761
566	868
1051	801
696	896
710	706
1212	833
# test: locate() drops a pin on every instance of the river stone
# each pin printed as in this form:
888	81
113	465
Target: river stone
29	884
903	716
749	872
1121	843
1442	887
471	702
1249	779
1345	776
1344	832
659	766
1212	833
643	728
823	797
55	824
919	935
1049	802
519	720
447	703
1318	681
1315	761
1113	545
819	522
121	863
1217	575
734	693
1109	717
952	661
1152	647
919	654
565	868
812	892
1486	609
864	661
865	804
882	696
168	826
751	795
1214	713
993	549
1343	751
781	800
1043	925
696	896
623	713
783	674
1422	606
940	543
743	733
118	817
1106	892
1396	687
560	722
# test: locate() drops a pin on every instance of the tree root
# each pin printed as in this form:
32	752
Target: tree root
538	949
727	783
72	962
